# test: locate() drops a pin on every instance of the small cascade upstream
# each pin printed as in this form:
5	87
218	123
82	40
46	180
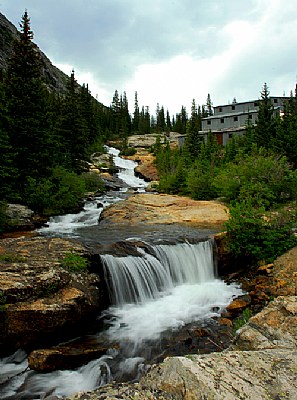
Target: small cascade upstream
69	225
156	292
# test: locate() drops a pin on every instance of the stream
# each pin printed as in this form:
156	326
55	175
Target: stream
168	290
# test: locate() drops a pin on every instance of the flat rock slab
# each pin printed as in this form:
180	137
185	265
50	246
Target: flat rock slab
166	209
264	374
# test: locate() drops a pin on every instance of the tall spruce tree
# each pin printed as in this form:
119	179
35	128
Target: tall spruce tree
264	131
136	115
26	108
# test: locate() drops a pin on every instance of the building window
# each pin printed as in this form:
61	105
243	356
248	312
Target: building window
230	135
275	100
256	104
220	109
250	116
233	107
208	122
222	120
235	119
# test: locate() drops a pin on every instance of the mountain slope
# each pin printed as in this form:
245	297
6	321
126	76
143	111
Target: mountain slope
54	78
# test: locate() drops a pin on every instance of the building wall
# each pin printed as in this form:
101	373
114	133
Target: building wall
227	121
236	108
233	118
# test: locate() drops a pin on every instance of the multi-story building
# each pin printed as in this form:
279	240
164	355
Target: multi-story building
232	119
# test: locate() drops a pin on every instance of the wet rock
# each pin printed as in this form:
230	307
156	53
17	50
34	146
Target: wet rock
65	357
239	304
19	217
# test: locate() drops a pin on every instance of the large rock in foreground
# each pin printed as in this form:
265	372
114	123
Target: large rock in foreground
40	300
166	209
232	375
267	371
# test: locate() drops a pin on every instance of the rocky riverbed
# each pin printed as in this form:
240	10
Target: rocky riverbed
260	364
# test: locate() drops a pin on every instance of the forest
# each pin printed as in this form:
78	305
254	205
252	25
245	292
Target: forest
46	137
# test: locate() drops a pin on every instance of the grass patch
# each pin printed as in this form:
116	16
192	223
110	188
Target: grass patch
10	257
74	262
242	319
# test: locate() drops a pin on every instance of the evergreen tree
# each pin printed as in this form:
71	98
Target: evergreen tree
168	122
209	106
125	123
264	131
193	141
7	170
27	108
145	121
73	128
136	115
115	113
160	114
285	141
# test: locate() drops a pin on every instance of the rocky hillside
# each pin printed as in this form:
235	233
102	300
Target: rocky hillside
54	78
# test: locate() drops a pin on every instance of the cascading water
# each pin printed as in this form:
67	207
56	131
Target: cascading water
160	290
164	289
70	224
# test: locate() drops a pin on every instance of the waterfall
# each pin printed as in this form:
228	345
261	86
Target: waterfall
139	279
164	288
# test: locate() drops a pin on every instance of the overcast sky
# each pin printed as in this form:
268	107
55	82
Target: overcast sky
169	51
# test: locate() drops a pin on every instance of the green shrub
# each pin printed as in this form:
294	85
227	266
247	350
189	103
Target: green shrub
74	262
93	182
2	298
58	194
128	151
242	319
3	217
11	258
254	237
265	179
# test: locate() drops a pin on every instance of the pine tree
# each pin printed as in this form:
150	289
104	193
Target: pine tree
125	122
27	108
115	109
193	141
136	115
209	106
168	122
73	128
7	170
264	131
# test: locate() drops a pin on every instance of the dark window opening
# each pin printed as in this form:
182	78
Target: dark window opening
233	107
275	100
230	135
235	119
250	116
256	104
222	120
209	122
220	109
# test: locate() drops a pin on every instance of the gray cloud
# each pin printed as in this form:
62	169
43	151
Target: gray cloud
111	38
